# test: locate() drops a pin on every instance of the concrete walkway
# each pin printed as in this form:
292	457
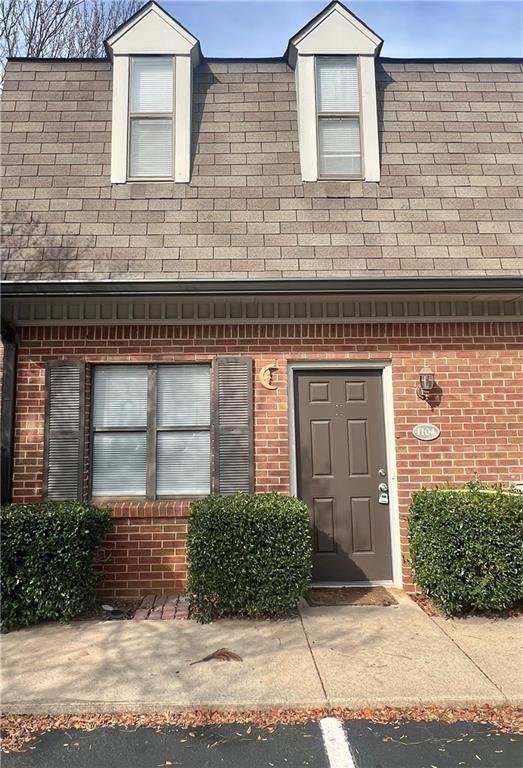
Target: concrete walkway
345	656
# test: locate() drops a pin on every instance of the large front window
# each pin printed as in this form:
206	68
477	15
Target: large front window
151	430
151	117
338	103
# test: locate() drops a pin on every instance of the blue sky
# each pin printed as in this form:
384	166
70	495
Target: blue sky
417	28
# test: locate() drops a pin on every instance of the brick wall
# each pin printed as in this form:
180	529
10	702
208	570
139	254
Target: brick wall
477	365
447	203
143	555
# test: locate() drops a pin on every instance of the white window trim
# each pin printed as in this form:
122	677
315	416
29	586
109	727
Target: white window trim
181	125
136	115
338	176
369	118
182	118
120	112
308	119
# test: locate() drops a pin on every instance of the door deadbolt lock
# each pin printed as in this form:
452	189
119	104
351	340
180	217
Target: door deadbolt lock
382	472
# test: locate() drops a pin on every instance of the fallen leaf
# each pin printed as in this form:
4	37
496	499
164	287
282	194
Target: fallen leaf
222	654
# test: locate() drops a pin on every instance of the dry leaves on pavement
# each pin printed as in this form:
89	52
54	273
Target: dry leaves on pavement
18	730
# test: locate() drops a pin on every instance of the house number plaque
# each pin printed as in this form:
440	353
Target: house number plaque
426	431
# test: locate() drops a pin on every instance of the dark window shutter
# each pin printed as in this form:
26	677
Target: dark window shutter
233	425
64	430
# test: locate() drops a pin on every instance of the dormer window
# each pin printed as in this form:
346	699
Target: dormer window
151	117
338	105
333	56
153	58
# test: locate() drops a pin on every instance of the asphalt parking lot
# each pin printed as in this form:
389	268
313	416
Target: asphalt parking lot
361	744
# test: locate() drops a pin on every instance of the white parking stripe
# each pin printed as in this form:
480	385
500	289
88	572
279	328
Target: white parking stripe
336	744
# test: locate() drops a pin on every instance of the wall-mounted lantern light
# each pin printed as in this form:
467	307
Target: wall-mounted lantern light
426	383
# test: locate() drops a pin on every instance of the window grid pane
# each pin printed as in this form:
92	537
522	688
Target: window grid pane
340	152
183	463
119	464
337	79
184	395
151	148
120	396
151	84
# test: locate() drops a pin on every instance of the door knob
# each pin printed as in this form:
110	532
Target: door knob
383	487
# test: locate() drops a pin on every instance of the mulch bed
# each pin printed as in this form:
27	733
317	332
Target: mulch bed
426	605
18	730
325	596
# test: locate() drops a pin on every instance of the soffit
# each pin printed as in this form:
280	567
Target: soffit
127	310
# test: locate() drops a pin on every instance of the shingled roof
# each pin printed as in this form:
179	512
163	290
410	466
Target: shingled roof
448	203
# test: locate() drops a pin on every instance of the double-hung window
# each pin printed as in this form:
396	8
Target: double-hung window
151	430
338	106
151	117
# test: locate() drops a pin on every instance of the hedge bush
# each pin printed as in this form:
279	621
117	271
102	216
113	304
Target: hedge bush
467	547
248	555
47	554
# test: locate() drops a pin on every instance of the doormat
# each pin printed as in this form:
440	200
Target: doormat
323	596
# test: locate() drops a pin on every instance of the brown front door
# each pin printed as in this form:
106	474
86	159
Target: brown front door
341	462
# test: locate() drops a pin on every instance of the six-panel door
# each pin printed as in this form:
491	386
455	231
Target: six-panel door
341	463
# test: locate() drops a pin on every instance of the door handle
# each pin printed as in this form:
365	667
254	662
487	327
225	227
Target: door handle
383	487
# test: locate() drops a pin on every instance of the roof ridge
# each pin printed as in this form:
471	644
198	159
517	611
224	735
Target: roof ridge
268	59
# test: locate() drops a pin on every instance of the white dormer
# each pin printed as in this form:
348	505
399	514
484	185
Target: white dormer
334	56
153	58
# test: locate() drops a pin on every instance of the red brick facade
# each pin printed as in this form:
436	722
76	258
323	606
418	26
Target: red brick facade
477	366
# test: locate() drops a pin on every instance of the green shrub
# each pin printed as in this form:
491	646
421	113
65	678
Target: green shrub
47	553
467	547
248	555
